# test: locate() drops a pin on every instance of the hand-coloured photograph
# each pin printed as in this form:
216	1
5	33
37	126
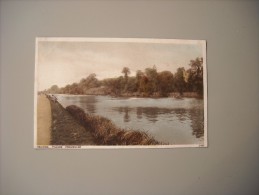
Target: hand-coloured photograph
120	93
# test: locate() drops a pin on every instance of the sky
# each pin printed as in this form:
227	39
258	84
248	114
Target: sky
64	61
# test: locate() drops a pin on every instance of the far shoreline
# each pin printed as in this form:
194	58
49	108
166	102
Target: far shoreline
171	95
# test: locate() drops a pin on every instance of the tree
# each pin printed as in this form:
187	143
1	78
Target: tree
151	74
165	82
126	72
131	85
196	65
53	89
89	82
117	85
195	78
180	83
139	76
143	87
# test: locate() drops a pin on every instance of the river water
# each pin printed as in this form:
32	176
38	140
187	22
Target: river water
170	120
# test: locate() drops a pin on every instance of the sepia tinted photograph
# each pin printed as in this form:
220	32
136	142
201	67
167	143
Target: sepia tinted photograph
120	93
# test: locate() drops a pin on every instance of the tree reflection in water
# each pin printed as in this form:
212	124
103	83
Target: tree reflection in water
167	119
125	111
139	112
197	122
89	103
181	114
152	114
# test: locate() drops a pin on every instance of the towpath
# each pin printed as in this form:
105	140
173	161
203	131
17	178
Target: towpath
43	120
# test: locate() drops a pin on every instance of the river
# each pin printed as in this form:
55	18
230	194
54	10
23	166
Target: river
170	120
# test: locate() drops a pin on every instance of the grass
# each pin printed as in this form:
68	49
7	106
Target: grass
105	131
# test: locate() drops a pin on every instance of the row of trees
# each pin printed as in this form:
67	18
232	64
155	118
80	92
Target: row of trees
148	82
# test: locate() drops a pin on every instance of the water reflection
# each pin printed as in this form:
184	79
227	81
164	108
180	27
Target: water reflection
152	114
139	112
125	111
89	103
170	120
181	114
197	122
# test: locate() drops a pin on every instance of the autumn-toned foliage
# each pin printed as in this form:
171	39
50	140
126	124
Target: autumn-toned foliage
148	82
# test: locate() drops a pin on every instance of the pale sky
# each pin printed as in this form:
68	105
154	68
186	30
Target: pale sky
65	62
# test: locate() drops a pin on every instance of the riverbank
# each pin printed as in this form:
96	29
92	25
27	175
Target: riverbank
106	133
72	126
108	91
65	130
143	95
158	95
43	120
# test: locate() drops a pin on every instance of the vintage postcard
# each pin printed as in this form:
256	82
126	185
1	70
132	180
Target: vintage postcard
120	93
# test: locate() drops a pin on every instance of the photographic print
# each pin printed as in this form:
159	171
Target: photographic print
120	93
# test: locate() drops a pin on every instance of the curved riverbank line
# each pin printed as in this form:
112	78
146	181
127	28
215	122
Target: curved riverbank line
107	133
65	130
72	126
43	120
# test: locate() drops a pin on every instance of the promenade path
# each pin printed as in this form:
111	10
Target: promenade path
43	120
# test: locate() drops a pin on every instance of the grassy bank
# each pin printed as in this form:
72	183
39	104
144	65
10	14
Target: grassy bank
106	133
65	130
